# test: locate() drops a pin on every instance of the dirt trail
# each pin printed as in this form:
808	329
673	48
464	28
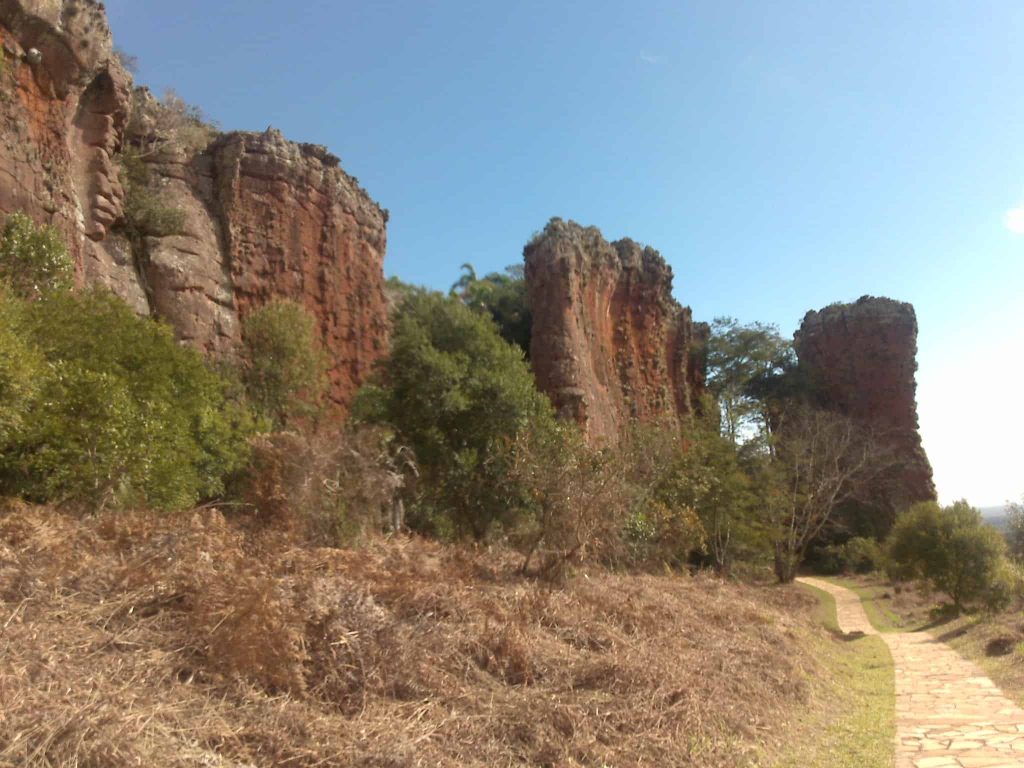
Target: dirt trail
949	714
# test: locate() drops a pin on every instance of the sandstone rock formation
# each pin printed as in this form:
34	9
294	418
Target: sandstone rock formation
609	343
262	217
860	359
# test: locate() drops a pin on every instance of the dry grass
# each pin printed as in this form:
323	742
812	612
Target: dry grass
159	641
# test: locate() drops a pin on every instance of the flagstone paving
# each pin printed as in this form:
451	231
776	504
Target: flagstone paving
949	714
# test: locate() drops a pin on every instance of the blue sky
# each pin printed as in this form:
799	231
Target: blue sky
780	155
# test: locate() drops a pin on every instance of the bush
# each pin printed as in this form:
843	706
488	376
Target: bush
146	214
21	368
33	259
1005	587
862	555
122	415
1015	530
458	395
283	367
951	547
330	488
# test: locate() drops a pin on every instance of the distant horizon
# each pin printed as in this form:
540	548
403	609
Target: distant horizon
781	158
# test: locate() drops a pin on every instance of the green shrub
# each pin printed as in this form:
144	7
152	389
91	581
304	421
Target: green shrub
33	259
504	297
21	368
1005	587
283	367
862	555
146	213
122	415
458	395
951	547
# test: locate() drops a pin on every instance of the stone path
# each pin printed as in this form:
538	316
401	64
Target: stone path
948	713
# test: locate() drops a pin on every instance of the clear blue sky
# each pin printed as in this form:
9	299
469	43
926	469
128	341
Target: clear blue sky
781	155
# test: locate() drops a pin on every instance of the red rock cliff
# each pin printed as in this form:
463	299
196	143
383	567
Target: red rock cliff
264	217
610	344
861	359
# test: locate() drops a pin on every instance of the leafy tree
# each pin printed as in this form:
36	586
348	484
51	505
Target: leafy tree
1015	530
123	414
951	547
740	358
457	394
822	461
21	367
33	259
570	495
504	296
283	367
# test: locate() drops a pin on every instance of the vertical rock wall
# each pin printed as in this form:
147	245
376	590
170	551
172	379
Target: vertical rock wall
264	217
861	359
610	345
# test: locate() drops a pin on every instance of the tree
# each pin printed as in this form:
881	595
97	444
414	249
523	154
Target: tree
33	259
739	359
951	547
457	394
121	413
22	368
822	460
570	493
502	295
1015	529
283	367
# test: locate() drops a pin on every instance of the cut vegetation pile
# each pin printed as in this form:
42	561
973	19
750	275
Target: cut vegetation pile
182	641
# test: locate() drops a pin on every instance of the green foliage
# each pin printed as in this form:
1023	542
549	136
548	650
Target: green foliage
120	414
458	395
145	212
1015	530
21	368
951	547
740	359
721	477
283	367
857	555
504	297
33	259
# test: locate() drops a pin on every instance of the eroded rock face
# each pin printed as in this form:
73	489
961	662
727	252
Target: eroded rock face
861	359
64	101
610	345
297	226
263	217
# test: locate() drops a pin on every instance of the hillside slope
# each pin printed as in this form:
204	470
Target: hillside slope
169	641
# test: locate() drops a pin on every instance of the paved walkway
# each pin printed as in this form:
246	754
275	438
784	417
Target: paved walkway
948	713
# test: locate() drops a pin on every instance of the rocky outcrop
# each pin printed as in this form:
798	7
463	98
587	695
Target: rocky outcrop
261	217
860	360
610	345
64	102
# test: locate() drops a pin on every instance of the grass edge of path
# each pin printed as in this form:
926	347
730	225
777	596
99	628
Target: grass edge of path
967	634
852	723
